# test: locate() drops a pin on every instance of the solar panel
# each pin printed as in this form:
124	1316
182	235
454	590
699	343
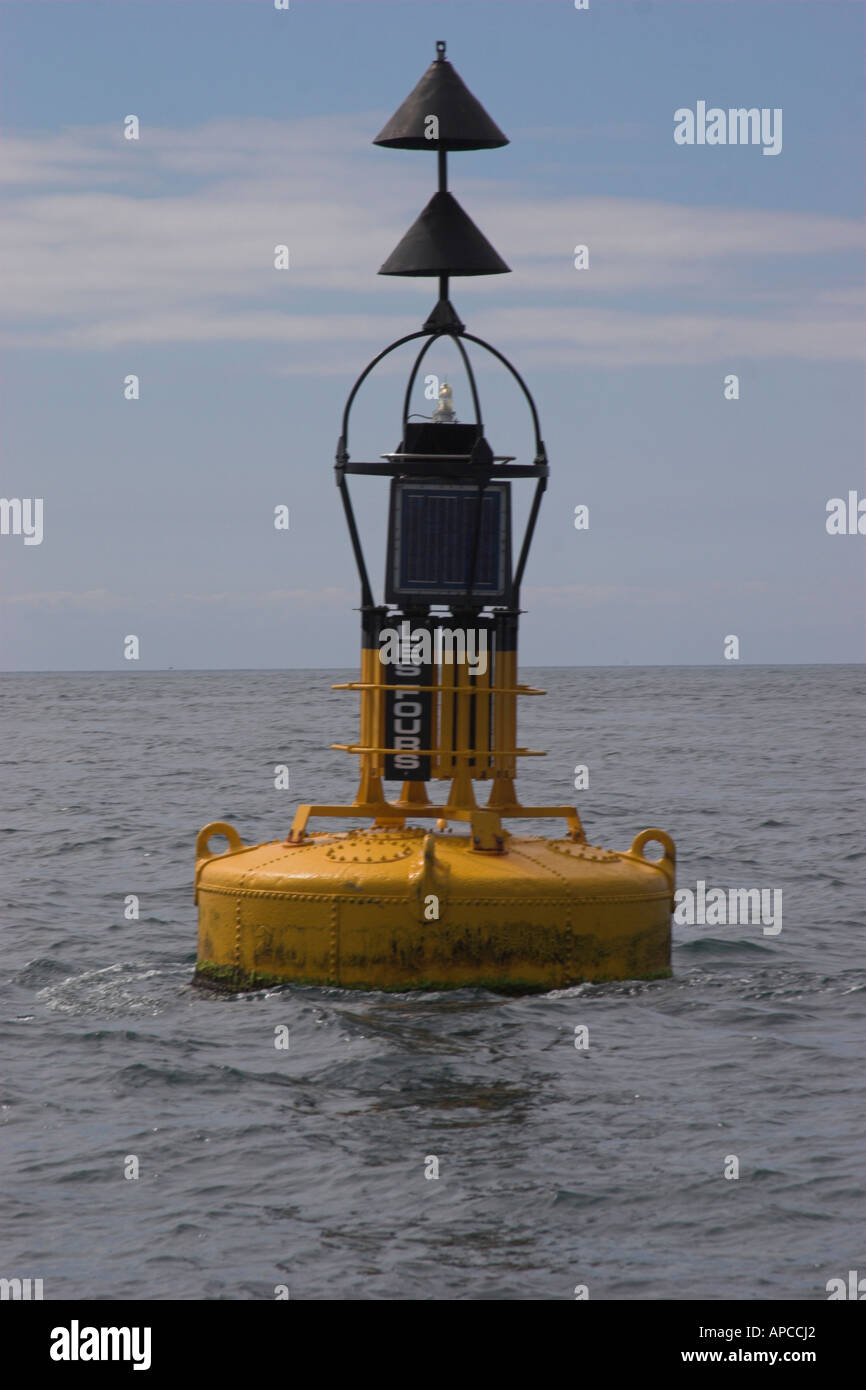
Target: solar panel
431	536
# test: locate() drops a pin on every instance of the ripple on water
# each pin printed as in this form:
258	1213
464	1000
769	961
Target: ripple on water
307	1166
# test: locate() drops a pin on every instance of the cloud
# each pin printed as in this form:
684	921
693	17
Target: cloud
588	596
600	337
108	242
329	597
101	601
85	600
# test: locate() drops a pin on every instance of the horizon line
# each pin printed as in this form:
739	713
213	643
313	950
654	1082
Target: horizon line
287	670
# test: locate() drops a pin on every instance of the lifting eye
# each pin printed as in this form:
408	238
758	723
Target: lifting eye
655	837
219	830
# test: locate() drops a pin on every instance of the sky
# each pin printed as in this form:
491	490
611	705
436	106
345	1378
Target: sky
155	258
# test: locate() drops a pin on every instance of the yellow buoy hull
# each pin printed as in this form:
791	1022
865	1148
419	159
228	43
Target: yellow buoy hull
408	909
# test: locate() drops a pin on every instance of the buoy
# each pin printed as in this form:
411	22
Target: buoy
457	899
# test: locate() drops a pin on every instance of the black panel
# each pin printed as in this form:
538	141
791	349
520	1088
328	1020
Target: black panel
431	538
408	723
432	437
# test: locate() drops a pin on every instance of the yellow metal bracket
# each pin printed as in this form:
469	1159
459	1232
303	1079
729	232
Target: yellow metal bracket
485	823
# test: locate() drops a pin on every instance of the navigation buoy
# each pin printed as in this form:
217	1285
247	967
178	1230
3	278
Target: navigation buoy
457	900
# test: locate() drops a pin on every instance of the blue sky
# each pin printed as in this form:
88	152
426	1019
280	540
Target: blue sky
707	516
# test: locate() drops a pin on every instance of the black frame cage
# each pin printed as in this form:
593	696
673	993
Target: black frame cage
478	468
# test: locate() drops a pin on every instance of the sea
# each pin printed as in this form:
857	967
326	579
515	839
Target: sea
694	1138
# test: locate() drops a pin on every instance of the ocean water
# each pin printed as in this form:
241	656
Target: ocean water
305	1167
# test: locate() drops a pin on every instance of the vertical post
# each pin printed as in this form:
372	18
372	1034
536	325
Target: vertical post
372	710
443	188
505	705
481	713
463	699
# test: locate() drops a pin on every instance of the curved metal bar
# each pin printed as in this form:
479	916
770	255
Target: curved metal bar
540	453
421	333
471	376
521	383
469	372
412	375
367	600
527	539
